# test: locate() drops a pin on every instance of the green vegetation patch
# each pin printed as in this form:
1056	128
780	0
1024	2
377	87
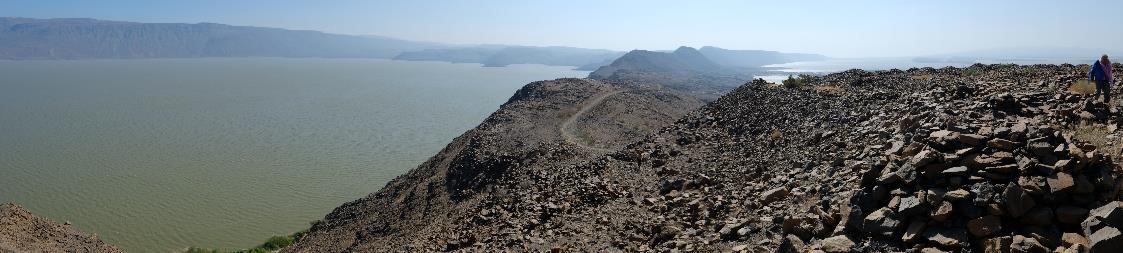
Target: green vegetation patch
799	81
971	71
273	244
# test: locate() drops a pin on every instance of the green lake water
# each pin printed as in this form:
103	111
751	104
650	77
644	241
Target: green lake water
159	155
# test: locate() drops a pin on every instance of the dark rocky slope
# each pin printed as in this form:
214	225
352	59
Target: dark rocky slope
925	160
22	231
478	188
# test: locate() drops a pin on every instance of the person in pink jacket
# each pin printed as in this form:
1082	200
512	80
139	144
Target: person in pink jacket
1101	74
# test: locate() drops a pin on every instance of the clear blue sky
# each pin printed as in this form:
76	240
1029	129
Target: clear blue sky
835	28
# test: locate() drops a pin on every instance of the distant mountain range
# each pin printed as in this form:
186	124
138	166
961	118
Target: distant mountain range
82	38
752	59
25	38
494	56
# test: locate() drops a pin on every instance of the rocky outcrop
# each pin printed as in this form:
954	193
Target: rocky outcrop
997	175
989	158
22	231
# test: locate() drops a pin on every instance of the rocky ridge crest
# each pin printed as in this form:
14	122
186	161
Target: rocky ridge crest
22	231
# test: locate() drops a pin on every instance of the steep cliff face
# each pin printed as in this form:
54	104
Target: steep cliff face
22	231
542	129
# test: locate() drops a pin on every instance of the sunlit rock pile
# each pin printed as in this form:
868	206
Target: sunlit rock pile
998	173
989	158
947	160
1013	185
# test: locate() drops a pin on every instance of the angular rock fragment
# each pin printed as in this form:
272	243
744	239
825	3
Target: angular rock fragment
910	206
1018	202
1107	239
923	158
791	244
950	238
837	244
1027	244
955	171
914	229
1109	215
999	244
942	212
1002	144
882	222
773	195
1059	182
971	139
1071	239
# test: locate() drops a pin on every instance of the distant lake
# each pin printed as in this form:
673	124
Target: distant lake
779	72
159	155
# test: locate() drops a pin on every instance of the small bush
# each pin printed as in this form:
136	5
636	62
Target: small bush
200	250
274	243
277	242
799	81
759	82
971	71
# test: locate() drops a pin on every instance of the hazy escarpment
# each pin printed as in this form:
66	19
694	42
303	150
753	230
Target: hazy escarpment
22	231
498	56
477	54
25	38
753	59
76	38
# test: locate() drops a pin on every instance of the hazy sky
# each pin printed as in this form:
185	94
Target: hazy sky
835	28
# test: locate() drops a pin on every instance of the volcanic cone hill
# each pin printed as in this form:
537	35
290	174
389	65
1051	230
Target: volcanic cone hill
22	231
684	69
994	158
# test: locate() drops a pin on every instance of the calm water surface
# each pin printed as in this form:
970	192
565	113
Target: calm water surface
159	155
